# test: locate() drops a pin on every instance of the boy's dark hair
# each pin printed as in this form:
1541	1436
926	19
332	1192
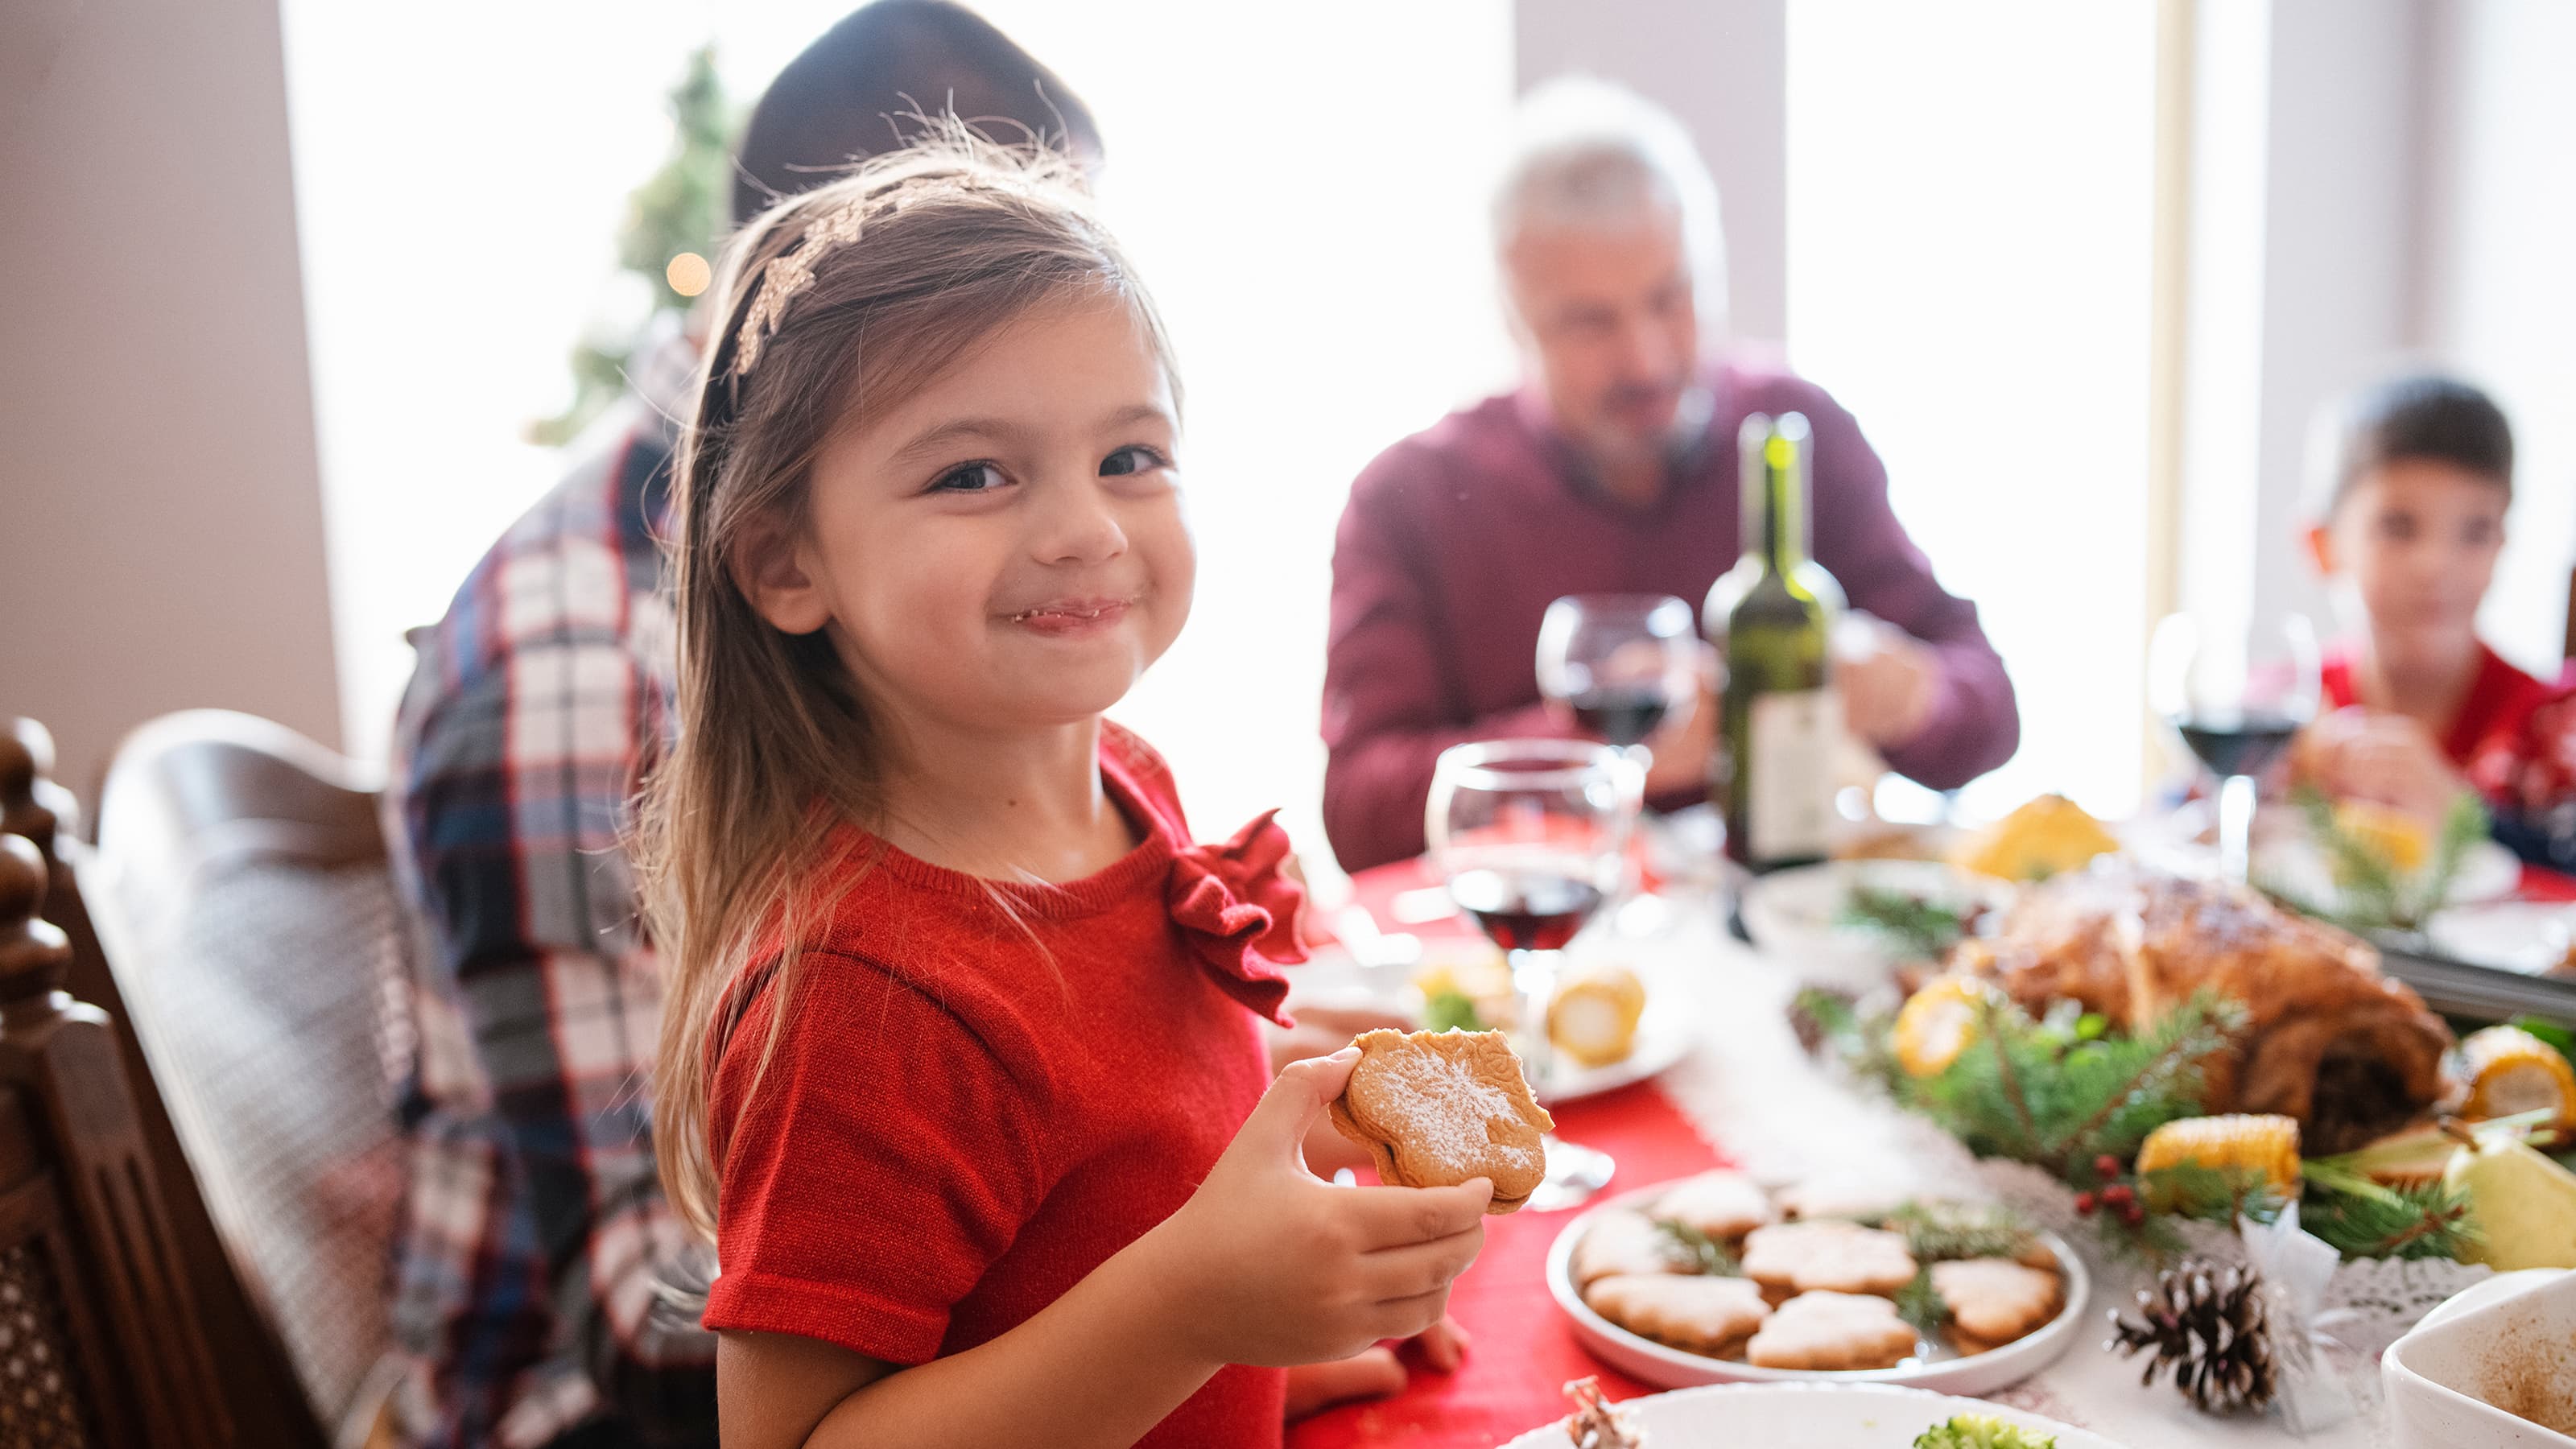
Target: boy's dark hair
2424	416
867	83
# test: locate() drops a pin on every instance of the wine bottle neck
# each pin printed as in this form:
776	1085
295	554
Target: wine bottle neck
1775	491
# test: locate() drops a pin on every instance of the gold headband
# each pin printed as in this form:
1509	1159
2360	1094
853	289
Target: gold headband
783	276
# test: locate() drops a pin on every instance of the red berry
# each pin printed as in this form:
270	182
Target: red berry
2119	1194
2107	1165
2084	1204
2132	1214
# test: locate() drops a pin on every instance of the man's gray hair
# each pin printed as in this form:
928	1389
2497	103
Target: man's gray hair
1587	153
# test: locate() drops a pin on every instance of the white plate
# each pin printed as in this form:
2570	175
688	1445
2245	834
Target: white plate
1794	916
1804	1416
2529	937
1666	1033
1668	1367
2487	871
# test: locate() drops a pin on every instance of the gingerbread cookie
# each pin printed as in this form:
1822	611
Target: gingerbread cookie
1620	1241
1721	1204
1695	1312
1832	1331
1437	1108
1995	1300
1790	1258
1840	1197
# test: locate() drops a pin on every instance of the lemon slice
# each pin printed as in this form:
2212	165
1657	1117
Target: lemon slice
1937	1023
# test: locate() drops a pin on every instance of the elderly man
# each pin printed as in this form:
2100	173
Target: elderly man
1611	471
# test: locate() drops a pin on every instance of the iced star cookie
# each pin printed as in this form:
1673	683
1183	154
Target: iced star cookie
1691	1311
1790	1258
1721	1204
1993	1301
1832	1331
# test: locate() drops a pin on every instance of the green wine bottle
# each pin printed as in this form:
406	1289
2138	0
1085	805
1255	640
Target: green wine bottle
1771	619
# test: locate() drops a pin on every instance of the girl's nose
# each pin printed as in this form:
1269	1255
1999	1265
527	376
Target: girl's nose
1079	525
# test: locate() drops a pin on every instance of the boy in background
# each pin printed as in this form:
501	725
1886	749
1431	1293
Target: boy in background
2414	482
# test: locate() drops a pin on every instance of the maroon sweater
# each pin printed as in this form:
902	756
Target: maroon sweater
1456	539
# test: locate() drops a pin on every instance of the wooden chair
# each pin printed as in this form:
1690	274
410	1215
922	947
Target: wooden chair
239	915
101	1337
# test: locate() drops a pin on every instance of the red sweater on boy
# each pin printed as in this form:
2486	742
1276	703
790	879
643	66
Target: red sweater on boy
2493	713
967	1113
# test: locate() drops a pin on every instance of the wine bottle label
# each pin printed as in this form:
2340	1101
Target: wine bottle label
1789	809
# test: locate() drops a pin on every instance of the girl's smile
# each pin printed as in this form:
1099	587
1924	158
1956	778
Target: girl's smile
1072	618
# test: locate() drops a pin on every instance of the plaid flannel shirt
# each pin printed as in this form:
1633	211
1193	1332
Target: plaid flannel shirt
536	1239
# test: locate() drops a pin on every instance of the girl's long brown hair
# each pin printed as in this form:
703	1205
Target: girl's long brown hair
887	277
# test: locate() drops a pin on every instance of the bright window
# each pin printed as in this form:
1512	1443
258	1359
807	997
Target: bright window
1286	177
1969	222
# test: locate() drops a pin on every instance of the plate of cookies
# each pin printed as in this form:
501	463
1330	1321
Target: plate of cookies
1714	1279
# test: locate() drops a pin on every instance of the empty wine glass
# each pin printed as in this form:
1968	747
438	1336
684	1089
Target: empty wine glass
1531	838
1623	663
2237	692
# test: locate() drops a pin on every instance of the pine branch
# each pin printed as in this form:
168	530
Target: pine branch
1705	1254
1919	1303
2427	1221
2004	1072
1939	1232
1920	927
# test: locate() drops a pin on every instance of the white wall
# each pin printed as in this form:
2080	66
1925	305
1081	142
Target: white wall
1722	66
2499	292
160	520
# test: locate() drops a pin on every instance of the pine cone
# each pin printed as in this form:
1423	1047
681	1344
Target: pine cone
2205	1322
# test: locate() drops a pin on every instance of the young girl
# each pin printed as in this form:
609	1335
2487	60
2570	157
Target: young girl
2414	482
961	1061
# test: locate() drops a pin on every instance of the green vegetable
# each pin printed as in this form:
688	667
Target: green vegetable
1982	1431
1451	1011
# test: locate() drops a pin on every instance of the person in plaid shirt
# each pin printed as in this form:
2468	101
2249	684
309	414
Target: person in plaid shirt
536	1269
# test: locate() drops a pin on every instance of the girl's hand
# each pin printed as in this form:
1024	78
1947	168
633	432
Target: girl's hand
1267	1264
1374	1373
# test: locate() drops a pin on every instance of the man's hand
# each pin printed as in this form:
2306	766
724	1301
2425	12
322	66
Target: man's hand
1682	747
1888	680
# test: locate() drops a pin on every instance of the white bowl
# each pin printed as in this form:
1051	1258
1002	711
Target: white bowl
1807	1416
2446	1381
1795	916
1664	1366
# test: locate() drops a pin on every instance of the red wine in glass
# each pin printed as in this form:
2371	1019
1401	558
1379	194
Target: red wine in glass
1526	910
2241	743
1622	714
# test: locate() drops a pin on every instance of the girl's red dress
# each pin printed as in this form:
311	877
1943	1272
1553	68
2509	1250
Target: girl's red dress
971	1108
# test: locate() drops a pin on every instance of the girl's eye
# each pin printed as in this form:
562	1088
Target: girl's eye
1135	458
969	478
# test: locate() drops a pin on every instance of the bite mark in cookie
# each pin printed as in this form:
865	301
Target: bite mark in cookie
1721	1204
1832	1331
1702	1314
1438	1108
1993	1301
1791	1258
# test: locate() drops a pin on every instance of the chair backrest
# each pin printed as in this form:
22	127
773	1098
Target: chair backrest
242	885
102	1337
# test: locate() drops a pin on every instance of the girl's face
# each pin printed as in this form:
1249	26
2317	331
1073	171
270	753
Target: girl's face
2416	541
1006	548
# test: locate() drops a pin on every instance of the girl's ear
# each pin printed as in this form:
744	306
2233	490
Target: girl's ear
2320	541
769	565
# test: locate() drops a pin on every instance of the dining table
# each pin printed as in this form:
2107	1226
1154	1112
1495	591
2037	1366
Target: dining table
1747	1095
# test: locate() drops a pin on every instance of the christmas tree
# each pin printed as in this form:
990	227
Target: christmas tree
674	222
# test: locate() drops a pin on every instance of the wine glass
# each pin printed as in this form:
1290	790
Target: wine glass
1622	663
2237	692
1531	837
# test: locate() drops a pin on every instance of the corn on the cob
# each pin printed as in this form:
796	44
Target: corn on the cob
2397	838
2266	1145
1593	1019
2048	835
1938	1022
2509	1070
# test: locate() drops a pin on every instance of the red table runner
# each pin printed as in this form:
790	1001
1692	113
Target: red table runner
1523	1350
